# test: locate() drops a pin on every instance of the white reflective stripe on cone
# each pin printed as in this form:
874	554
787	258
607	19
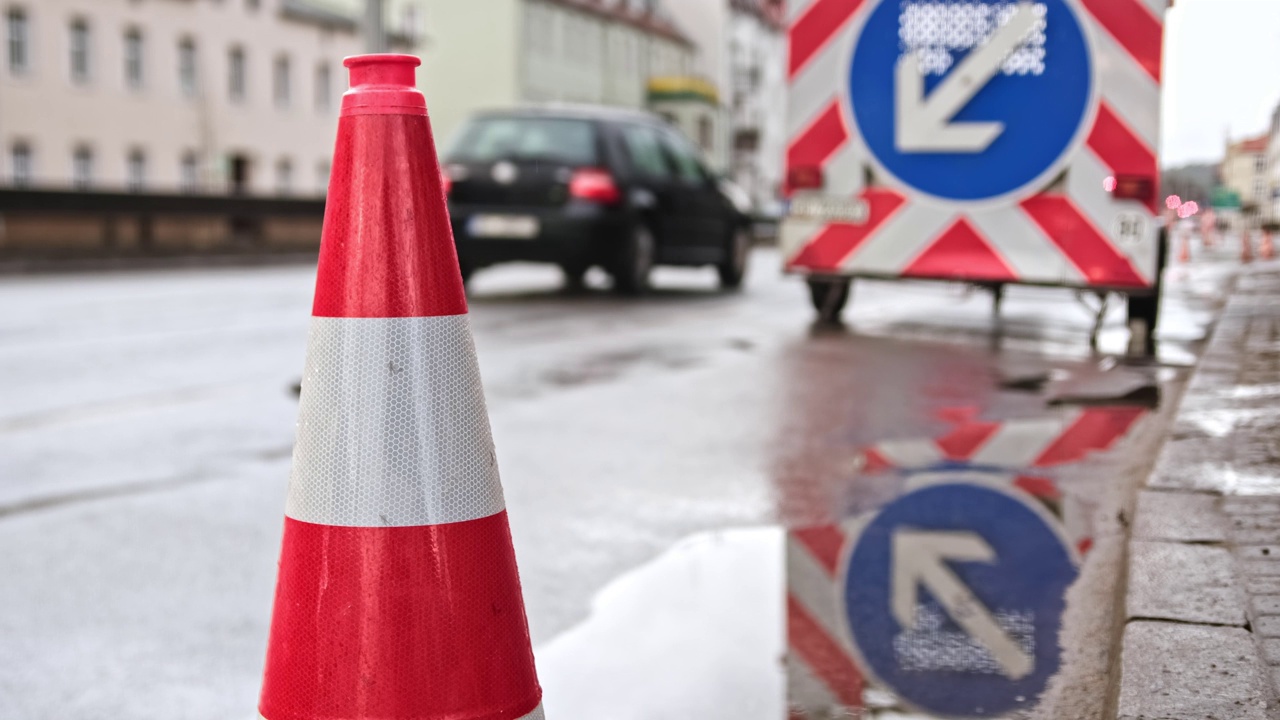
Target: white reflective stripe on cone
392	427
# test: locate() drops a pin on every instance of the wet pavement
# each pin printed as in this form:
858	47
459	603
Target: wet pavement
718	509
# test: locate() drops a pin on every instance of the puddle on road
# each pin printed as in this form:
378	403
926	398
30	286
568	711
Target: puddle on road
931	526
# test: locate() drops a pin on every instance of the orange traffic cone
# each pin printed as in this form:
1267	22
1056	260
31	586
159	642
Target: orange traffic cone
1266	250
398	595
1184	249
1246	247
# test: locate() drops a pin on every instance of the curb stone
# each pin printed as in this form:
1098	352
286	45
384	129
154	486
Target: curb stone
1201	639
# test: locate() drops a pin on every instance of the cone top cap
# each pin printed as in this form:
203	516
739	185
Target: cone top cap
383	84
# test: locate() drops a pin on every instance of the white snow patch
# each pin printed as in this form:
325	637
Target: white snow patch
697	632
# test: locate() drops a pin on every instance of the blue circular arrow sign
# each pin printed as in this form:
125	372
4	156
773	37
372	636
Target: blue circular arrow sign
971	101
954	596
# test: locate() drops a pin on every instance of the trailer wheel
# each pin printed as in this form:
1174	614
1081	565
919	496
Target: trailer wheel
829	296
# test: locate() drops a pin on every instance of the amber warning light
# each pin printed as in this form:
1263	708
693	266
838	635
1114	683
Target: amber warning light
1130	187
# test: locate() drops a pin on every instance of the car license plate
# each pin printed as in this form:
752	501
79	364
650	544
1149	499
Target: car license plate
520	227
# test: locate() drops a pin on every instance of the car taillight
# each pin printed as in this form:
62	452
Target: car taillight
1134	187
446	182
804	177
595	185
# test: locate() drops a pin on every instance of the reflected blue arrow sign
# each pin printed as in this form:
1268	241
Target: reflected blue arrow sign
954	596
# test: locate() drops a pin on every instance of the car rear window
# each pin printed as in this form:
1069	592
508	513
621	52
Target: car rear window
490	139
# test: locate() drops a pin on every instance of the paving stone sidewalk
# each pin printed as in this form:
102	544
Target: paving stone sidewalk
1202	633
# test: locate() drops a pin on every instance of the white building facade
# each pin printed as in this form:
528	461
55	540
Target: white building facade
172	95
742	47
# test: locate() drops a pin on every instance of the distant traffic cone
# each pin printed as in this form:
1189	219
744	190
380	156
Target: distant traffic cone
398	595
1246	247
1184	249
1266	250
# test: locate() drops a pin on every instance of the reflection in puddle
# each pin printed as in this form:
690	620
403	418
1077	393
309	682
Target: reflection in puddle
948	599
934	523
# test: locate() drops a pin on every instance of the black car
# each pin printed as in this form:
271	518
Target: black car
583	187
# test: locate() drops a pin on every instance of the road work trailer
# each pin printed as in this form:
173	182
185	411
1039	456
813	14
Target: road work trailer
989	142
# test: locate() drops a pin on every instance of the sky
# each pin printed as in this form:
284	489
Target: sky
1222	74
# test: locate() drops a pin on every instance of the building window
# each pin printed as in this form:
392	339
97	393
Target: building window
1259	190
1260	164
133	58
236	74
541	37
79	51
705	138
136	170
284	176
280	83
409	23
323	86
190	172
19	48
20	164
82	167
322	175
187	67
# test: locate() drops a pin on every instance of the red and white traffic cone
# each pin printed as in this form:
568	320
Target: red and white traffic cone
1246	247
398	595
1184	248
1266	250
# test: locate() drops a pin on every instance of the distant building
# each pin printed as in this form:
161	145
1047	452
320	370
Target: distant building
1245	171
234	95
742	49
504	53
1273	163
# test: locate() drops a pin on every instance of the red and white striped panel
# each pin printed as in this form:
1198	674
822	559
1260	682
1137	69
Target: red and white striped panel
822	676
1066	437
1064	234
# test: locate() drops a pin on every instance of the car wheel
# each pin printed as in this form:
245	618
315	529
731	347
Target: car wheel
829	296
631	277
733	268
575	276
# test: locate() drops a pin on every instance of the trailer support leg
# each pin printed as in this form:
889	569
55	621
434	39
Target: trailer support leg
997	300
1098	319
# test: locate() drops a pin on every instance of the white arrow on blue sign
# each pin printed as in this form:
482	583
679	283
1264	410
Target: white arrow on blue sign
954	596
971	100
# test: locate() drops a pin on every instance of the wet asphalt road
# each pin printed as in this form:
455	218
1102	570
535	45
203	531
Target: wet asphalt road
147	423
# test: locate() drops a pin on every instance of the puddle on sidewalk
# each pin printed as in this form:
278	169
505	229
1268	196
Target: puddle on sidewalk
931	528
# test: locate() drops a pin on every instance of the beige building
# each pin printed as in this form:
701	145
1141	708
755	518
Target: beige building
503	53
1244	170
169	95
1272	211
